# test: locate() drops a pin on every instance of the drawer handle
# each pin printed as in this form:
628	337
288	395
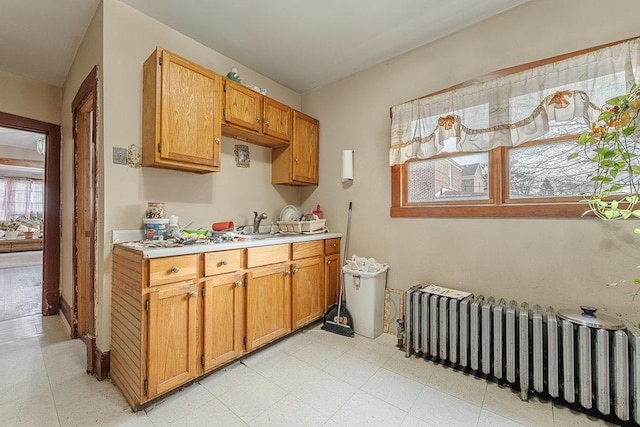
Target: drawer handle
238	284
175	269
194	294
224	262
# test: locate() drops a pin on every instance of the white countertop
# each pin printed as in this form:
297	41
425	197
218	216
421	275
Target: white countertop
196	248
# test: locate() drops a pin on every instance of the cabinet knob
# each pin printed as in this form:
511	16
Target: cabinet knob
175	269
329	262
295	270
287	272
216	140
295	160
224	262
238	284
194	294
257	119
266	122
333	244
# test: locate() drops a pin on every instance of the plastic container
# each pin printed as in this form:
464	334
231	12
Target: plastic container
155	228
365	300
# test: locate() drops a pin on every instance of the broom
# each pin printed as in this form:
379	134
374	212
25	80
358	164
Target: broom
337	319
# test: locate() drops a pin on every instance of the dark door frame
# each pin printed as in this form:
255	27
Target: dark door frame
51	249
88	88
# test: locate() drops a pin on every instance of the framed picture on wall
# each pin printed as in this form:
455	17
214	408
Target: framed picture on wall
242	156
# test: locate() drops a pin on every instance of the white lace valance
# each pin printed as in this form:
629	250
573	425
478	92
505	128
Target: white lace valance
513	109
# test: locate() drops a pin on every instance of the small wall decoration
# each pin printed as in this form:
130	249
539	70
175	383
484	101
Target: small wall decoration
134	159
242	156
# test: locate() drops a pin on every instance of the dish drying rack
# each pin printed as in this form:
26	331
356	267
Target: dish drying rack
302	227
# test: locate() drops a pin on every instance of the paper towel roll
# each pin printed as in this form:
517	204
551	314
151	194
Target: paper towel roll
347	165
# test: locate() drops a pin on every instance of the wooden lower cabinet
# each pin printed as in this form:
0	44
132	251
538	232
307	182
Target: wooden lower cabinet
307	298
268	304
332	272
176	318
172	337
223	331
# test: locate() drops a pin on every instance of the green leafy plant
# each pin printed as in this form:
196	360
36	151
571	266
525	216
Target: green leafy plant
612	146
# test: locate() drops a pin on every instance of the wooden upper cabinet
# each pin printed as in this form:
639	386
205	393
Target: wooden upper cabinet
182	114
242	106
297	164
277	119
253	117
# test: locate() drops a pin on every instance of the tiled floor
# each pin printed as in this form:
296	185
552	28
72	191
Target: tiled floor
312	378
20	284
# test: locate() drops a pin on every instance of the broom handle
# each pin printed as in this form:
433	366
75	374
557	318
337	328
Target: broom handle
344	257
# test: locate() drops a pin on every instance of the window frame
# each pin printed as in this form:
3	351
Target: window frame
499	205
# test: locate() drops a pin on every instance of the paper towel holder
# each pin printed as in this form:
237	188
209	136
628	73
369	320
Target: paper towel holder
347	166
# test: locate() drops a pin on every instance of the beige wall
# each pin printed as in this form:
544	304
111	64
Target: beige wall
563	262
232	194
29	98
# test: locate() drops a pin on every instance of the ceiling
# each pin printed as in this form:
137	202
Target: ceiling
300	44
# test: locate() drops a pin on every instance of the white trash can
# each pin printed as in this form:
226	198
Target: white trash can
365	300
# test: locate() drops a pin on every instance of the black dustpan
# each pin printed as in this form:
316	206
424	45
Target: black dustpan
337	319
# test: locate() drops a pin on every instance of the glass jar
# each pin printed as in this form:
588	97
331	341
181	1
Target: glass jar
155	210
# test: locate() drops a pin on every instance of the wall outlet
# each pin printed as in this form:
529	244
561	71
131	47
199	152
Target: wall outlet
119	155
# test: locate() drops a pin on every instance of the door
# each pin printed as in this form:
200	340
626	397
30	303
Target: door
190	123
242	106
277	119
331	279
268	296
172	337
51	241
305	149
307	291
85	178
223	319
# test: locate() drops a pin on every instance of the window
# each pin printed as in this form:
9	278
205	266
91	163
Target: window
501	147
21	197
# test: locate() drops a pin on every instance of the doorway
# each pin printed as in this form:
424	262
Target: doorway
84	109
51	230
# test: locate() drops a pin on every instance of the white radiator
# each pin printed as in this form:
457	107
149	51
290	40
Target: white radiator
530	347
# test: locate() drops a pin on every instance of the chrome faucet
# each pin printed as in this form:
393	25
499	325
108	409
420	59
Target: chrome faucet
256	221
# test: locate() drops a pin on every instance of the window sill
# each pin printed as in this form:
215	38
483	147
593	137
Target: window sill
521	210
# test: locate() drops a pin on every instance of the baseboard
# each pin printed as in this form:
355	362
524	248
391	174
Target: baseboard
67	312
98	362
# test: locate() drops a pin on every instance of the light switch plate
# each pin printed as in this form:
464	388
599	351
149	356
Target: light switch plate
119	155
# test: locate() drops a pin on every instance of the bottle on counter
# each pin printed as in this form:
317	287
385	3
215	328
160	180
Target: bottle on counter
155	210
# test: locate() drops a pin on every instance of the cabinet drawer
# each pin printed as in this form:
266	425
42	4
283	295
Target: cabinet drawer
172	269
222	262
307	249
265	255
332	246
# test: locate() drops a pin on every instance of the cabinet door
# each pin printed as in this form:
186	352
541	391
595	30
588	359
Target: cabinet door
277	119
191	124
172	358
223	319
305	149
332	279
268	304
307	291
242	106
